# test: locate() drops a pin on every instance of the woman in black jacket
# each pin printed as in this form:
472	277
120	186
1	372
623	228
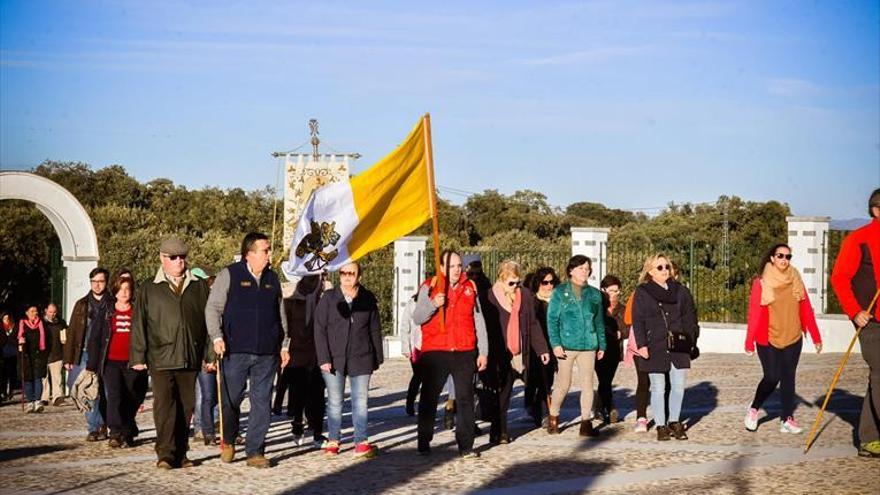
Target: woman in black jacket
348	342
108	346
539	381
513	331
663	308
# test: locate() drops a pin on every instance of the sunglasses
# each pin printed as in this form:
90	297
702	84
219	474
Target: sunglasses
780	256
347	274
176	257
547	282
661	268
514	283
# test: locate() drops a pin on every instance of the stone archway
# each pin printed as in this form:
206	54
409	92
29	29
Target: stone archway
79	244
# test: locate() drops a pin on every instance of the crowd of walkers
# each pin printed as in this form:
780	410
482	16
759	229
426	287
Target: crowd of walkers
203	344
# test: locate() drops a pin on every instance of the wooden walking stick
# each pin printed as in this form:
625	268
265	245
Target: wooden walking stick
810	438
220	399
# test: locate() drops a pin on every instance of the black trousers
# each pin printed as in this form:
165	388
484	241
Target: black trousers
307	390
174	397
415	383
506	377
284	385
9	379
125	390
539	383
779	367
436	366
606	368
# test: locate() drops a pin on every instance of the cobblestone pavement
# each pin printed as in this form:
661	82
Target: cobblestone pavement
45	453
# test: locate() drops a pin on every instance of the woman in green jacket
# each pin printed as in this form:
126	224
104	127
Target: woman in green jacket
575	323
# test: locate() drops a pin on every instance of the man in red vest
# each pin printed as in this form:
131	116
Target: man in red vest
856	278
458	346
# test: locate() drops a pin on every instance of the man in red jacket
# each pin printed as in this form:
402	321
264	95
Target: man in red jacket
458	346
856	278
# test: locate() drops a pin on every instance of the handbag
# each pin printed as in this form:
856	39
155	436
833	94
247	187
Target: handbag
677	341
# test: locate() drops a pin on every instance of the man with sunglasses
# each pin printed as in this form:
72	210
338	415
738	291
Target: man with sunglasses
91	307
168	337
856	279
247	324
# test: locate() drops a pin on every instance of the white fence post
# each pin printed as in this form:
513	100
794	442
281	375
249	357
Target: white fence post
409	271
591	242
806	236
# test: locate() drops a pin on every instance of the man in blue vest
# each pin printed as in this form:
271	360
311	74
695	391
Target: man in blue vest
248	326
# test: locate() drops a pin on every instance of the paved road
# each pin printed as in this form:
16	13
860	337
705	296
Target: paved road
46	453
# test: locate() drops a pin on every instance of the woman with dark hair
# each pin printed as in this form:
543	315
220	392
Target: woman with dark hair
108	347
576	324
615	332
539	383
513	332
8	358
348	340
33	345
779	314
664	323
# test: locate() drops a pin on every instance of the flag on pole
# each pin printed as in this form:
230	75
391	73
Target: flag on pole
344	221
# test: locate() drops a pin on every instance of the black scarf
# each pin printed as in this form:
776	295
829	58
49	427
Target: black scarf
666	296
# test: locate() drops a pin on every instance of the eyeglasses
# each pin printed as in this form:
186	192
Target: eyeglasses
347	274
661	268
547	282
514	283
780	256
175	257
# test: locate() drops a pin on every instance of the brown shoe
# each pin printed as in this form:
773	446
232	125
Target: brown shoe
587	430
663	433
228	453
102	433
92	436
186	463
678	430
553	425
258	461
163	464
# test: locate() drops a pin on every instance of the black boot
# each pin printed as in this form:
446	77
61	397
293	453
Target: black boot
663	433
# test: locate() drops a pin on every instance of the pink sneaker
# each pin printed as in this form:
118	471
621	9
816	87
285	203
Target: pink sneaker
642	425
331	448
790	426
365	450
751	420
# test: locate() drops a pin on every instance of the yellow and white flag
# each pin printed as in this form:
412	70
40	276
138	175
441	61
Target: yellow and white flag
344	221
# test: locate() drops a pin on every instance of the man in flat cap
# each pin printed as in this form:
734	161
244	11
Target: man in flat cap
169	337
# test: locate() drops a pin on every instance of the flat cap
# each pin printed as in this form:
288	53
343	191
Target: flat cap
173	246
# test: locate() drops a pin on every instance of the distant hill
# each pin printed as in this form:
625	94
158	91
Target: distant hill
848	223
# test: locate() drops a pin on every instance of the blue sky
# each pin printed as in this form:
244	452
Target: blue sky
631	104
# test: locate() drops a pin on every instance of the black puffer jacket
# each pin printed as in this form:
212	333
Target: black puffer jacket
649	327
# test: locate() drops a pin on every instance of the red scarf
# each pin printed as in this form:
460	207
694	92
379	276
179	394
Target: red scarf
37	325
512	334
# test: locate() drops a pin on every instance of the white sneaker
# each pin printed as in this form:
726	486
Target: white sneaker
642	425
29	408
298	440
38	406
751	420
790	426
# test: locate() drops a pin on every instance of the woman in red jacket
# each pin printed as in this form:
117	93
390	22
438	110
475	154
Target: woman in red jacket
779	313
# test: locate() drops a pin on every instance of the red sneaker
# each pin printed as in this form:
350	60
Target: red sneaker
365	450
331	448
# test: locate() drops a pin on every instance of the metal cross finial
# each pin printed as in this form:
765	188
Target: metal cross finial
313	129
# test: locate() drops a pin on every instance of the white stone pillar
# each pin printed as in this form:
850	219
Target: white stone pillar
592	242
77	282
806	236
409	271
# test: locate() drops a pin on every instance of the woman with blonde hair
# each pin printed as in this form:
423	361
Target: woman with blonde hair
665	330
513	331
576	324
779	315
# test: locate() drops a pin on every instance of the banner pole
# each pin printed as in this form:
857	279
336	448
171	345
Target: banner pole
432	195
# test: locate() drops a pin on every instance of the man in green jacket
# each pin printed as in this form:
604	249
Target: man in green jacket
168	337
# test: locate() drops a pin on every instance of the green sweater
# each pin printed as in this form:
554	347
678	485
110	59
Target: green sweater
576	325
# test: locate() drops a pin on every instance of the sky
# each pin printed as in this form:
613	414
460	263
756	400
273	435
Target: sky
633	104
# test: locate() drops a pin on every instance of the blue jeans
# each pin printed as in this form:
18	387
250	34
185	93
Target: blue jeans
359	384
677	379
94	420
237	368
206	403
33	389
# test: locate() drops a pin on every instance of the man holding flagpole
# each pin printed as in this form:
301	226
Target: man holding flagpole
454	342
